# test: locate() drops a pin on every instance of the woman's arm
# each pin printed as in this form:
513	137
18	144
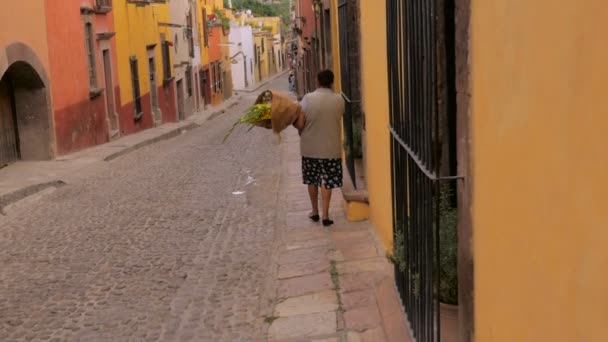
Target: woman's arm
300	122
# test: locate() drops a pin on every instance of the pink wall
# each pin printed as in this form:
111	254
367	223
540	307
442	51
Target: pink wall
306	11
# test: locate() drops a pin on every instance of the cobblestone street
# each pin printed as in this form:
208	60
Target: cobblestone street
173	242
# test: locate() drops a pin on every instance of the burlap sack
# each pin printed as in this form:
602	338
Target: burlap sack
284	111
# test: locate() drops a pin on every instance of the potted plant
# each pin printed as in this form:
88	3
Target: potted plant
448	265
224	21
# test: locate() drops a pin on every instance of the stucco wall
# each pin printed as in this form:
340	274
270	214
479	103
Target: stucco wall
178	12
25	40
25	22
138	28
374	90
540	214
80	121
242	35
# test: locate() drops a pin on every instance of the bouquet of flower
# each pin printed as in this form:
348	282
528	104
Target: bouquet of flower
257	115
272	111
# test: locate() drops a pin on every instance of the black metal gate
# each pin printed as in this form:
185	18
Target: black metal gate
414	120
345	74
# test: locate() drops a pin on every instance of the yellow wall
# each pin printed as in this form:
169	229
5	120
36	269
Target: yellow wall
137	27
263	55
274	22
374	92
540	212
200	4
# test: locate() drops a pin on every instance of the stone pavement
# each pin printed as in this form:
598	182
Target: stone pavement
25	178
190	240
22	178
171	242
333	284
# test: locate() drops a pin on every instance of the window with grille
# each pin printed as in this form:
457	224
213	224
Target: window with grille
219	76
135	84
88	36
213	78
103	3
166	52
189	81
203	82
190	35
205	27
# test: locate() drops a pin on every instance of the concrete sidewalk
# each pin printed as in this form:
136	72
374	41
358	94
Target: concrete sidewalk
333	284
23	179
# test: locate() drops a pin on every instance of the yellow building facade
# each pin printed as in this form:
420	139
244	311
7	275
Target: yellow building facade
202	11
540	211
267	37
143	34
537	163
261	64
269	24
374	96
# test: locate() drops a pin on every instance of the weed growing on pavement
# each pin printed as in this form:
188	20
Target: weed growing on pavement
270	319
335	278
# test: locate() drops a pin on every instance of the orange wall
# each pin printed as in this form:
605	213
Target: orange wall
25	22
67	53
540	213
215	39
79	120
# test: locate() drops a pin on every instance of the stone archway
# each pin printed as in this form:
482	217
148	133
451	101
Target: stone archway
25	121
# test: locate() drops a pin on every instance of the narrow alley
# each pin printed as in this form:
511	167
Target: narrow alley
170	242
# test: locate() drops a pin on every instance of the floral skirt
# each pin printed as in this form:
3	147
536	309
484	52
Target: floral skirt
327	172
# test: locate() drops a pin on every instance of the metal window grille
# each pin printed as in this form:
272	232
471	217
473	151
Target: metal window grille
203	82
135	84
219	76
189	81
190	35
213	78
103	3
166	52
205	27
88	35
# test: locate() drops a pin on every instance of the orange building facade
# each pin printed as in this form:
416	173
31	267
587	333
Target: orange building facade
83	73
215	64
57	78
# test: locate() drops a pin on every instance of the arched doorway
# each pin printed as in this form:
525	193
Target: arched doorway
25	132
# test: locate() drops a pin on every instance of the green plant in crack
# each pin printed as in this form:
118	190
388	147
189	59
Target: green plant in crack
416	284
398	256
270	319
448	247
335	278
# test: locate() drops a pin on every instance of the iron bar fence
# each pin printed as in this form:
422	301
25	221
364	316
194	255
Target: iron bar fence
414	159
348	126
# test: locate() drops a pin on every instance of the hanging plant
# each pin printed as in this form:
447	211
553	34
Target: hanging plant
221	15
